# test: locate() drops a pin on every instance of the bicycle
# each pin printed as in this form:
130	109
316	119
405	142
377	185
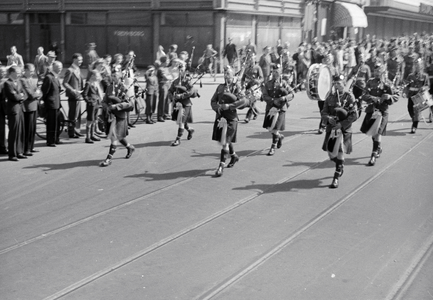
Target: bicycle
63	121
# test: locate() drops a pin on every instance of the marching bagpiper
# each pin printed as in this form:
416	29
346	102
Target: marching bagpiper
277	94
116	105
224	102
182	91
380	94
339	112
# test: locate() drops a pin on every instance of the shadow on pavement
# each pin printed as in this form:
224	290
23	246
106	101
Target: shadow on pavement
65	166
147	176
302	184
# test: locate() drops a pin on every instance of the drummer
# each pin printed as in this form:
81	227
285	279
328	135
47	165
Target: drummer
418	82
380	94
339	112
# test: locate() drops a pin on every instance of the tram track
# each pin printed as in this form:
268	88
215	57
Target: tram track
210	293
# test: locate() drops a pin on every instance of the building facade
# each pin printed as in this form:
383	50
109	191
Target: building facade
143	25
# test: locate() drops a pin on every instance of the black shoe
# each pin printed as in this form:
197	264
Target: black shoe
413	130
271	151
34	150
89	141
96	139
130	125
219	171
161	120
246	120
21	156
334	184
13	158
372	161
233	160
149	121
190	133
105	163
3	151
280	141
51	145
131	150
28	154
59	143
176	143
320	131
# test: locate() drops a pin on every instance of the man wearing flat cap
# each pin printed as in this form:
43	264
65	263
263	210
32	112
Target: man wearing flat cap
339	112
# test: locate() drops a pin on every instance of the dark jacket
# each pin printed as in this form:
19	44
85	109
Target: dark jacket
15	95
30	85
91	95
73	84
51	91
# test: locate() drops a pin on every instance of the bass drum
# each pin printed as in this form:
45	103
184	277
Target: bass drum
319	82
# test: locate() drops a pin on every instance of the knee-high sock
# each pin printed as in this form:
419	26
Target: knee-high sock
179	133
223	155
231	149
111	152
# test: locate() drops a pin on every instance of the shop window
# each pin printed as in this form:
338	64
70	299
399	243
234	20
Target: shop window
96	18
16	18
3	18
239	20
174	19
76	18
44	18
130	18
200	19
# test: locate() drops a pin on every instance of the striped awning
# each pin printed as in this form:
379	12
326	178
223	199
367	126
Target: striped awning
349	15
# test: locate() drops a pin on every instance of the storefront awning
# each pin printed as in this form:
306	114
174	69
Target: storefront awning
349	15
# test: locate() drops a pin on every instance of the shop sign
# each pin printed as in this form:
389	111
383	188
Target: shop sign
128	33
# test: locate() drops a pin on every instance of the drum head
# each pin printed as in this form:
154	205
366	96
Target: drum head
324	84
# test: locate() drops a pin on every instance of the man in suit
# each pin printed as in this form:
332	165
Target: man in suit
230	52
73	83
40	63
3	144
30	106
51	96
15	59
15	95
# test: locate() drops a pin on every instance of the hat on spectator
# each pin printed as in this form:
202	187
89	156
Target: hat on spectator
51	54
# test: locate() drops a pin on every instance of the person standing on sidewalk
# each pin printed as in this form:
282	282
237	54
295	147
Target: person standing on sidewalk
74	84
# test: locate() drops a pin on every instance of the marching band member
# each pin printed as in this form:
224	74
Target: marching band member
276	94
360	74
182	91
251	77
224	102
380	94
339	112
116	105
418	81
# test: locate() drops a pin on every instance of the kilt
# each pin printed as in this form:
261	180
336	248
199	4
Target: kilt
347	140
187	114
232	129
366	124
121	128
281	121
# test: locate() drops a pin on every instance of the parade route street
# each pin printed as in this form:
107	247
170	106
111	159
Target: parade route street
161	226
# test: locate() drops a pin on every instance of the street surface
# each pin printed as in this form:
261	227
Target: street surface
160	226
